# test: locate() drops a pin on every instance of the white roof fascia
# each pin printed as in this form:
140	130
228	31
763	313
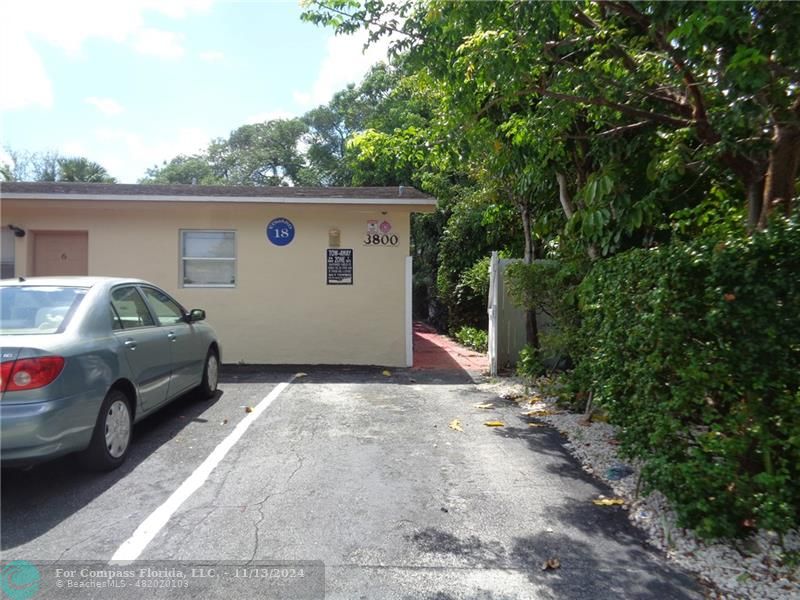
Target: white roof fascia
227	199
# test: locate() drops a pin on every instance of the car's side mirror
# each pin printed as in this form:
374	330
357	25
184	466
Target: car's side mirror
196	314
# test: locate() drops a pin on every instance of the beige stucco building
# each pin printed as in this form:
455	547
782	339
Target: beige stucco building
286	275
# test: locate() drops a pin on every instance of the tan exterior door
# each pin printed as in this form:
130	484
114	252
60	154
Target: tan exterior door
60	253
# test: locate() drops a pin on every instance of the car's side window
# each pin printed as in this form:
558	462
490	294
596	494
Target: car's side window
131	308
167	311
116	322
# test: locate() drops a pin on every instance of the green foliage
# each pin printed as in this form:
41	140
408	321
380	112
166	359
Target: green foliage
476	226
51	166
549	287
476	277
254	154
184	169
529	362
693	350
82	169
477	339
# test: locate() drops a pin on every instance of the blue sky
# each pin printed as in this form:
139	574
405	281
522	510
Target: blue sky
130	83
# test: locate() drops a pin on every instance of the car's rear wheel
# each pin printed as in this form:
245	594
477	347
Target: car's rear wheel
112	434
208	387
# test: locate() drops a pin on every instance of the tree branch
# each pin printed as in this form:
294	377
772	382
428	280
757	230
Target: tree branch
624	128
563	196
700	116
353	17
595	101
582	18
623	108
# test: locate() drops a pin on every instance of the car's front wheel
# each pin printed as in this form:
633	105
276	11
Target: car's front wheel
208	387
112	434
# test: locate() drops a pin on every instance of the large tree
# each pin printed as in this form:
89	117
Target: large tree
51	166
267	153
716	85
195	169
82	169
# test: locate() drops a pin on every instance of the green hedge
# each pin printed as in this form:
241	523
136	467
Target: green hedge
693	349
477	339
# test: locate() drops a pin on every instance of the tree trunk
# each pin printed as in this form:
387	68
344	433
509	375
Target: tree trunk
755	195
779	185
563	196
569	208
531	328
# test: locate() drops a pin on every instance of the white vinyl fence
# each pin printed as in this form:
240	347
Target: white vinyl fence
506	319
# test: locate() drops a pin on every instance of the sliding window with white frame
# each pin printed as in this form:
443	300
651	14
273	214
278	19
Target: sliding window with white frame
208	258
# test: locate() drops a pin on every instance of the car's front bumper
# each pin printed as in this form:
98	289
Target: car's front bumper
33	431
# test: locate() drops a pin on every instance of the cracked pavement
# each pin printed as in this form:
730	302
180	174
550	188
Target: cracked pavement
362	472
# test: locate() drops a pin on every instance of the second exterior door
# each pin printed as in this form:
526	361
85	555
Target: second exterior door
60	253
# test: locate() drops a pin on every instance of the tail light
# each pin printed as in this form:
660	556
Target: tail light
29	373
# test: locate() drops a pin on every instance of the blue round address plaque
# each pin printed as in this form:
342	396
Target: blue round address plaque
280	231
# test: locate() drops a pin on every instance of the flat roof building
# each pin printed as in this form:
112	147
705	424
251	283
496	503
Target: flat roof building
287	275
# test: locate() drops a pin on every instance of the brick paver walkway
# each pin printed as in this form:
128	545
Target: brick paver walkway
433	351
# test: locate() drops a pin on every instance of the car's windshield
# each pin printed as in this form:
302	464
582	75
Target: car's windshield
37	309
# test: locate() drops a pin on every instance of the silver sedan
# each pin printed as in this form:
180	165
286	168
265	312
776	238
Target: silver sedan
84	358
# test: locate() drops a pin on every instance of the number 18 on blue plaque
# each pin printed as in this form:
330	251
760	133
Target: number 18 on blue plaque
280	231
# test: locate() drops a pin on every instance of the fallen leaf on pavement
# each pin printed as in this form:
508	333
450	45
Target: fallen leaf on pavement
608	501
535	424
510	395
248	409
456	425
486	405
495	424
387	373
551	564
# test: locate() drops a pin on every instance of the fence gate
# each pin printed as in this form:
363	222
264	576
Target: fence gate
506	320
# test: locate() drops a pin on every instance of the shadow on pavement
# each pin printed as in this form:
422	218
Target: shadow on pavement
36	499
583	573
355	374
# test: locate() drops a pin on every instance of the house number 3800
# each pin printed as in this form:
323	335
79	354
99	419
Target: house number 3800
376	239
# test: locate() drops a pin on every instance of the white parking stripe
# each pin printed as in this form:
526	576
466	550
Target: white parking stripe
144	534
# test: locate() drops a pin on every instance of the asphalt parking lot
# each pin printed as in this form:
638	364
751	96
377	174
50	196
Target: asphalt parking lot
356	469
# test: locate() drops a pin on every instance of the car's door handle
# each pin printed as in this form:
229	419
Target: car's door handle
171	336
130	344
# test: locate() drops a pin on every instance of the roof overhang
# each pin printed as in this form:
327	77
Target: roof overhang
423	202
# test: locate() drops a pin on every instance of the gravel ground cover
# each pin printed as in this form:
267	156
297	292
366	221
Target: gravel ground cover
754	568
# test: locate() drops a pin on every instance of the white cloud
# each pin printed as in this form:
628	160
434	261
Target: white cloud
269	116
128	154
212	56
67	26
107	106
160	43
73	148
177	9
345	62
25	79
